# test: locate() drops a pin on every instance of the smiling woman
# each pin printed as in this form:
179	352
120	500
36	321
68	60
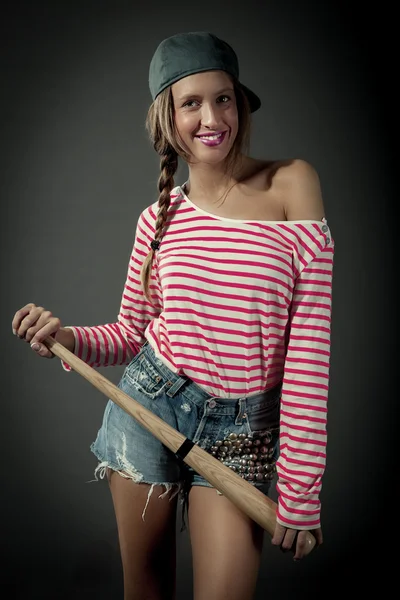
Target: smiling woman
206	116
224	328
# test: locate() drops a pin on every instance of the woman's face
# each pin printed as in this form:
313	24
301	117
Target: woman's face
206	116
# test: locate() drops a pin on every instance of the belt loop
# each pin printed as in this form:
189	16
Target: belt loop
175	387
242	411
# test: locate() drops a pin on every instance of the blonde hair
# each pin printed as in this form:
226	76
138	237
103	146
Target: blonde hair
160	125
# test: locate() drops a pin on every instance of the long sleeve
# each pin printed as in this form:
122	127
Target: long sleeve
303	435
116	343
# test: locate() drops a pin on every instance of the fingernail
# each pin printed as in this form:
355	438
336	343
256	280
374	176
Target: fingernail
35	346
14	331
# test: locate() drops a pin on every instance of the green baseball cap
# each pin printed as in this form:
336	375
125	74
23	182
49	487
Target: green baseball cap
184	54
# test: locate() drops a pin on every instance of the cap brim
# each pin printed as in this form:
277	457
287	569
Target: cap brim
253	99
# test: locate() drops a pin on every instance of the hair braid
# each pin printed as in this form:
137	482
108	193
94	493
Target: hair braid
168	166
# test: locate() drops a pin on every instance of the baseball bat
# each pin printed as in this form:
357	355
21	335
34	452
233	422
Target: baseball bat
240	492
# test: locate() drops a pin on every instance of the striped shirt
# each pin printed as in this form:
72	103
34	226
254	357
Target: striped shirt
239	306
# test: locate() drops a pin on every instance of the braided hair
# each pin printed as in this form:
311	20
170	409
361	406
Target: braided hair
168	165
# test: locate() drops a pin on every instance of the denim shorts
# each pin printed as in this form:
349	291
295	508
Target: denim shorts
242	433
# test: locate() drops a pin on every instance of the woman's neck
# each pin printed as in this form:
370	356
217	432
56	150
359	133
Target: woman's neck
211	182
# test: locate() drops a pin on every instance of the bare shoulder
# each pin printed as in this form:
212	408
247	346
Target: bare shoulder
298	185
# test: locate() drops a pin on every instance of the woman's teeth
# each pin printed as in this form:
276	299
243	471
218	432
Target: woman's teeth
212	140
210	137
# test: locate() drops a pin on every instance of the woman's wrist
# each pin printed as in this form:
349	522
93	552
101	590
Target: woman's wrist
66	338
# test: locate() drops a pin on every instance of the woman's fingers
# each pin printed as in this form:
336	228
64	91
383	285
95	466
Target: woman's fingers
33	324
282	536
288	538
29	321
19	316
301	545
318	535
42	331
42	350
45	325
35	321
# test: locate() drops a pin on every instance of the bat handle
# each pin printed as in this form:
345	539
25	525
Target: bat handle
310	543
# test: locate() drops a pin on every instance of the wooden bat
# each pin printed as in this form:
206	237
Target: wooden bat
247	498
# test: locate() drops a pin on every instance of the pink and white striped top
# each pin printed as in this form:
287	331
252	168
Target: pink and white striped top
240	306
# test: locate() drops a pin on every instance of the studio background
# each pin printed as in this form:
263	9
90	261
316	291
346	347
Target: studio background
77	170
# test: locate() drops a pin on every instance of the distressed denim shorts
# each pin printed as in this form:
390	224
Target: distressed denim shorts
242	433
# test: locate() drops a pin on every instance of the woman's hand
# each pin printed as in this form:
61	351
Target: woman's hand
33	324
286	537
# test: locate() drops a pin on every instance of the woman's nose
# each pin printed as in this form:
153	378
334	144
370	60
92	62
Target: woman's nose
209	116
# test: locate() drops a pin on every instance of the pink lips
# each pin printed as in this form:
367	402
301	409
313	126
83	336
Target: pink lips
212	139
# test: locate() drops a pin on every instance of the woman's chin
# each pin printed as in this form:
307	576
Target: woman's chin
210	157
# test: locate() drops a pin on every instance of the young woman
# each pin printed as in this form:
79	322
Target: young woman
224	326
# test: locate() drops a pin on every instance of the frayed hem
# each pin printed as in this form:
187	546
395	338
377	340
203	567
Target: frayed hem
136	477
168	486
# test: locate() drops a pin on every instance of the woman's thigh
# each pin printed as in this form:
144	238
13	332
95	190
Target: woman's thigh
147	544
226	547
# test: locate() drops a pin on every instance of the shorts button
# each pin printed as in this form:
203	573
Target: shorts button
212	404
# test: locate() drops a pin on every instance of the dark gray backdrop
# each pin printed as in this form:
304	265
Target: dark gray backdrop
77	169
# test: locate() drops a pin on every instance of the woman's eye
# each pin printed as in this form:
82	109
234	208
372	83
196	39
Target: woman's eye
191	103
